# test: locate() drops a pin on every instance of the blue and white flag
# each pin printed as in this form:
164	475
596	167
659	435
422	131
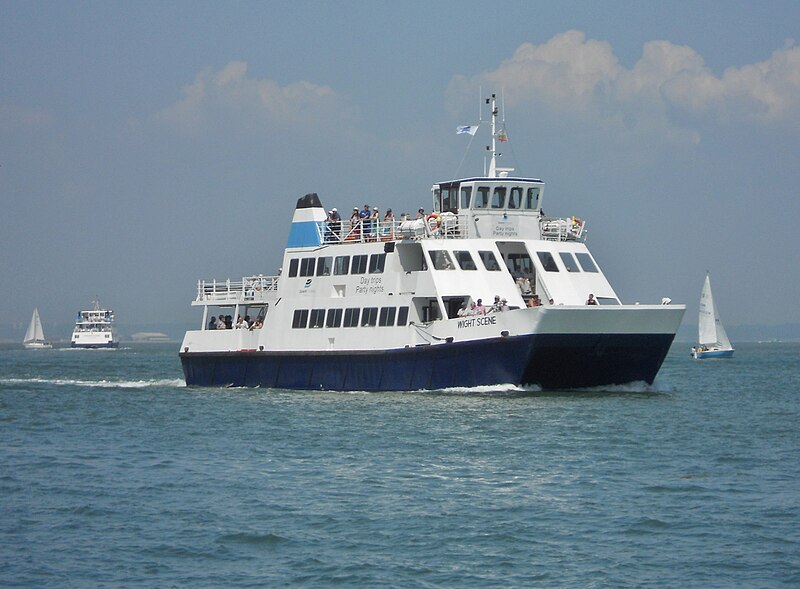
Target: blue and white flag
471	129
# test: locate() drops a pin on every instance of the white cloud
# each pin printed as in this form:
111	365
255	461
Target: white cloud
216	97
570	74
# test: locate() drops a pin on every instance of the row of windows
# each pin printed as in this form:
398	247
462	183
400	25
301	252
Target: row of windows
352	317
585	261
501	197
442	261
361	264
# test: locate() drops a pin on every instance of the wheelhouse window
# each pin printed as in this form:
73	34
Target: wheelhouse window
307	266
359	265
317	318
548	262
402	316
489	261
300	319
293	263
466	196
324	266
386	317
351	317
519	264
449	199
377	263
515	198
342	265
334	318
569	262
441	260
465	261
499	197
369	317
586	262
481	198
532	198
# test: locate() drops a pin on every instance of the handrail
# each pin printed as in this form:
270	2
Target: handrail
249	288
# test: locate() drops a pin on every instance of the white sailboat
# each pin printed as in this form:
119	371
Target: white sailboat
34	337
712	341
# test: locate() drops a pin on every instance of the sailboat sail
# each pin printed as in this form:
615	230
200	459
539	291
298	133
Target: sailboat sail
710	330
34	337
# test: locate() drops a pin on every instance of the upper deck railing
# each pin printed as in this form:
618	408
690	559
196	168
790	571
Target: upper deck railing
248	289
437	226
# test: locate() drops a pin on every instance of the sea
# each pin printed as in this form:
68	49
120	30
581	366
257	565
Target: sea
114	474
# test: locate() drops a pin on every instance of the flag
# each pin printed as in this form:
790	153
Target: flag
471	129
501	136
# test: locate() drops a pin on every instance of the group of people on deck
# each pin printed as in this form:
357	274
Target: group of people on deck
226	322
367	222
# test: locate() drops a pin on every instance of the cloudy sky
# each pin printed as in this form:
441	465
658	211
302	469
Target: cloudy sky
144	145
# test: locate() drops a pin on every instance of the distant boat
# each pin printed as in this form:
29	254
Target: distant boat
34	337
712	341
94	328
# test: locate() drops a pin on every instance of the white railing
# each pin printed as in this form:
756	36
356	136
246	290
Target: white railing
569	229
249	288
443	226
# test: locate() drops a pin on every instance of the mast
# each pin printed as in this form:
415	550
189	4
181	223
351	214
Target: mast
493	149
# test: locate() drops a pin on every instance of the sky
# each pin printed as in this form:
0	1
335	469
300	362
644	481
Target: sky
146	145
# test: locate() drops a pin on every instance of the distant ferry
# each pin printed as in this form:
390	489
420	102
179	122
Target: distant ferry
94	328
484	290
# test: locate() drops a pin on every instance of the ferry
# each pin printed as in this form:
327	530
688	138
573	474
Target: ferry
484	289
94	328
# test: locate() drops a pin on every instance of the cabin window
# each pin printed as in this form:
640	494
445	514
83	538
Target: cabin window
402	316
519	264
293	267
351	317
300	319
607	301
515	198
334	318
586	262
481	198
569	262
548	262
499	197
441	260
386	318
307	266
447	205
359	265
466	196
532	198
324	266
377	263
342	265
369	317
489	261
317	318
465	260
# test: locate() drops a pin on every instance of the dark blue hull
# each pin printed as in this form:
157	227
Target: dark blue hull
549	361
95	346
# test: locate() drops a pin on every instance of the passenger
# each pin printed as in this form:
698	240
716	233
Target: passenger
480	308
355	223
221	322
591	300
258	324
241	323
228	322
388	224
473	309
463	311
366	225
503	305
376	221
536	301
336	224
525	286
496	305
213	323
389	216
421	213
